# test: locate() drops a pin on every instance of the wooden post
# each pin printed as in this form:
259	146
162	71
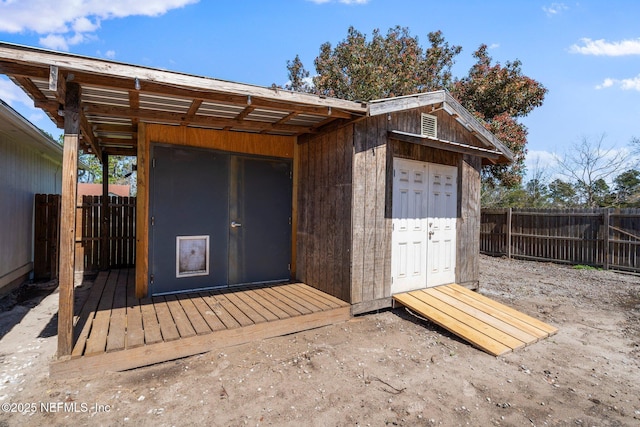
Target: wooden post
104	209
68	218
142	214
509	233
605	221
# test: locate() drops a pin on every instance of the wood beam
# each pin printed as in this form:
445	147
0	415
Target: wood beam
202	95
455	147
90	139
142	214
134	103
177	118
68	218
244	113
119	151
104	229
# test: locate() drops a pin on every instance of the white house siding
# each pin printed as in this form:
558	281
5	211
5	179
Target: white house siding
24	172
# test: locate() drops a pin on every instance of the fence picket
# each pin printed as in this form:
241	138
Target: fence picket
598	237
121	240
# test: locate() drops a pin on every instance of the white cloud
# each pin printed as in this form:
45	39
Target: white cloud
12	94
555	9
494	46
632	83
110	54
602	47
66	23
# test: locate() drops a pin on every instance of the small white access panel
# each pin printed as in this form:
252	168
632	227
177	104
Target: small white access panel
424	225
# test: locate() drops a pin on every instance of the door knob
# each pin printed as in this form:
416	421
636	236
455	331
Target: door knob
235	224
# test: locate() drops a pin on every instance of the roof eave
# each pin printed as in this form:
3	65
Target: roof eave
72	62
451	106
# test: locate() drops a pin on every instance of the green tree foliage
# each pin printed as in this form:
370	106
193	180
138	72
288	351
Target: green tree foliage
627	187
385	66
562	194
362	69
499	95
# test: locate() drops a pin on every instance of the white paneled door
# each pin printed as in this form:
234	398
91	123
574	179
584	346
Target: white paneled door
424	225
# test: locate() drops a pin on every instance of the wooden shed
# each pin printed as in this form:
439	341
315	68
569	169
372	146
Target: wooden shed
242	186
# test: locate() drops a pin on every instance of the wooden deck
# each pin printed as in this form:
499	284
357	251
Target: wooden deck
115	331
485	323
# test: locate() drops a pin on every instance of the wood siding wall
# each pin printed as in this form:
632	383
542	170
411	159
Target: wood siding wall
371	215
23	173
468	225
372	200
324	164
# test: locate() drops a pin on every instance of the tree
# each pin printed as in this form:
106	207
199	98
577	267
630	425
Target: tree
590	165
298	77
499	95
627	187
562	194
360	69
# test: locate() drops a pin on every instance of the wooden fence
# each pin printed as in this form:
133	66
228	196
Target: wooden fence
607	238
120	250
46	234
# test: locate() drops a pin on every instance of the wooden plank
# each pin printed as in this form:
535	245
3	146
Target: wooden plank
294	209
329	299
219	310
382	254
180	318
150	324
357	213
230	307
104	226
118	319
488	318
161	352
167	325
207	313
254	314
135	330
97	341
288	292
469	320
68	218
371	192
247	296
142	213
309	297
515	313
87	313
268	303
284	297
493	311
290	311
454	326
193	314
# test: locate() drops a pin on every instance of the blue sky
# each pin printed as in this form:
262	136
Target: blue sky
587	53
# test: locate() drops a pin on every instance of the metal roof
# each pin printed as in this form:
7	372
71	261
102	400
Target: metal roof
115	97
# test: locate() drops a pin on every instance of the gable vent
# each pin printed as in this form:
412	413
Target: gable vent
429	126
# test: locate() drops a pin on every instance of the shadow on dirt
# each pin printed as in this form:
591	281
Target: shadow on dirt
15	305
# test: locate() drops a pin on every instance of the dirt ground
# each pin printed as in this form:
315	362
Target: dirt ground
386	368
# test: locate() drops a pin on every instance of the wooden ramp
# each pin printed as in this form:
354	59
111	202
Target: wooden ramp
485	323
